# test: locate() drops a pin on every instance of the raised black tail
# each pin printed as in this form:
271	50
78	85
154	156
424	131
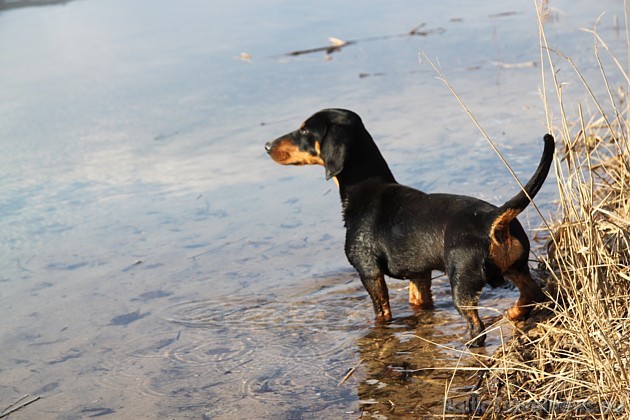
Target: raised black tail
517	204
503	250
500	229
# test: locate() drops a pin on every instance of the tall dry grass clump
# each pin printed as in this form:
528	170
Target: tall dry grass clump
575	360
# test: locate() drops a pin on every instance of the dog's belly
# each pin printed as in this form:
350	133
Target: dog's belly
399	247
412	261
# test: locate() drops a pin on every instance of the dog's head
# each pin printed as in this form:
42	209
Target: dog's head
323	139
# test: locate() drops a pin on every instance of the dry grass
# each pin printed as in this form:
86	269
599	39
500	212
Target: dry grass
574	360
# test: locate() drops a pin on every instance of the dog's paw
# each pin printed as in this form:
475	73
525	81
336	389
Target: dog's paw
477	341
517	313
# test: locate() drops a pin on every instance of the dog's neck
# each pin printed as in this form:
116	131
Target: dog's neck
364	162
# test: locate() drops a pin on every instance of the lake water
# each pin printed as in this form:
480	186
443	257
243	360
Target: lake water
155	263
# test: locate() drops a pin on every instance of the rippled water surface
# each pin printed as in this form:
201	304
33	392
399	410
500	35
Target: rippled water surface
155	263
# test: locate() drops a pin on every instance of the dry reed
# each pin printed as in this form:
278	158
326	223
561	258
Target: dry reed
573	360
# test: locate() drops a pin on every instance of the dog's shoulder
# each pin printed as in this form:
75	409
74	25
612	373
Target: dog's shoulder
376	195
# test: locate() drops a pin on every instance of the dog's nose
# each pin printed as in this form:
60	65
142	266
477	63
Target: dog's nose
268	146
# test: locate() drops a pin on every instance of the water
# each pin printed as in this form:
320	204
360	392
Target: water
155	263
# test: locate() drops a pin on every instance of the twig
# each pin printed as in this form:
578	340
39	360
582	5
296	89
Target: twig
16	406
350	372
337	46
15	402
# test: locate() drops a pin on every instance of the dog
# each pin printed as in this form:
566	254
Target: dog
397	231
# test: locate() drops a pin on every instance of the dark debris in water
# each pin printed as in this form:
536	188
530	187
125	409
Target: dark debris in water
65	266
72	354
98	411
502	14
380	74
154	294
165	136
127	319
166	342
47	388
129	267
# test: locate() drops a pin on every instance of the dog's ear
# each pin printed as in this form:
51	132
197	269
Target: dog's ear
333	151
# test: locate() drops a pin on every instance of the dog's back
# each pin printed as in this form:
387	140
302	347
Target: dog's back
410	232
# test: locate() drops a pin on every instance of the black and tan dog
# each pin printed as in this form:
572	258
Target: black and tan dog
404	233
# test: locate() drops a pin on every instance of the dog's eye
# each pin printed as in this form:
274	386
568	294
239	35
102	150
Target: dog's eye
304	132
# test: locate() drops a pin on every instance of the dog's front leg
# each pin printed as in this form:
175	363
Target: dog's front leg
377	288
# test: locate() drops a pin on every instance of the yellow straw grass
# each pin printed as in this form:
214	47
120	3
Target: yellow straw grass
575	362
572	360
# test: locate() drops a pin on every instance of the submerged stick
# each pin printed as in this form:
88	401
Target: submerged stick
16	406
350	372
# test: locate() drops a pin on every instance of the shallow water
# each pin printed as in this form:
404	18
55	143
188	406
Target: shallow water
156	264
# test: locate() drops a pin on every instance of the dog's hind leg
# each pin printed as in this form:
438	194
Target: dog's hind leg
530	292
466	284
420	291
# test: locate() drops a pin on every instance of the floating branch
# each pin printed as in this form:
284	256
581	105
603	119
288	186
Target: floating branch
337	44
